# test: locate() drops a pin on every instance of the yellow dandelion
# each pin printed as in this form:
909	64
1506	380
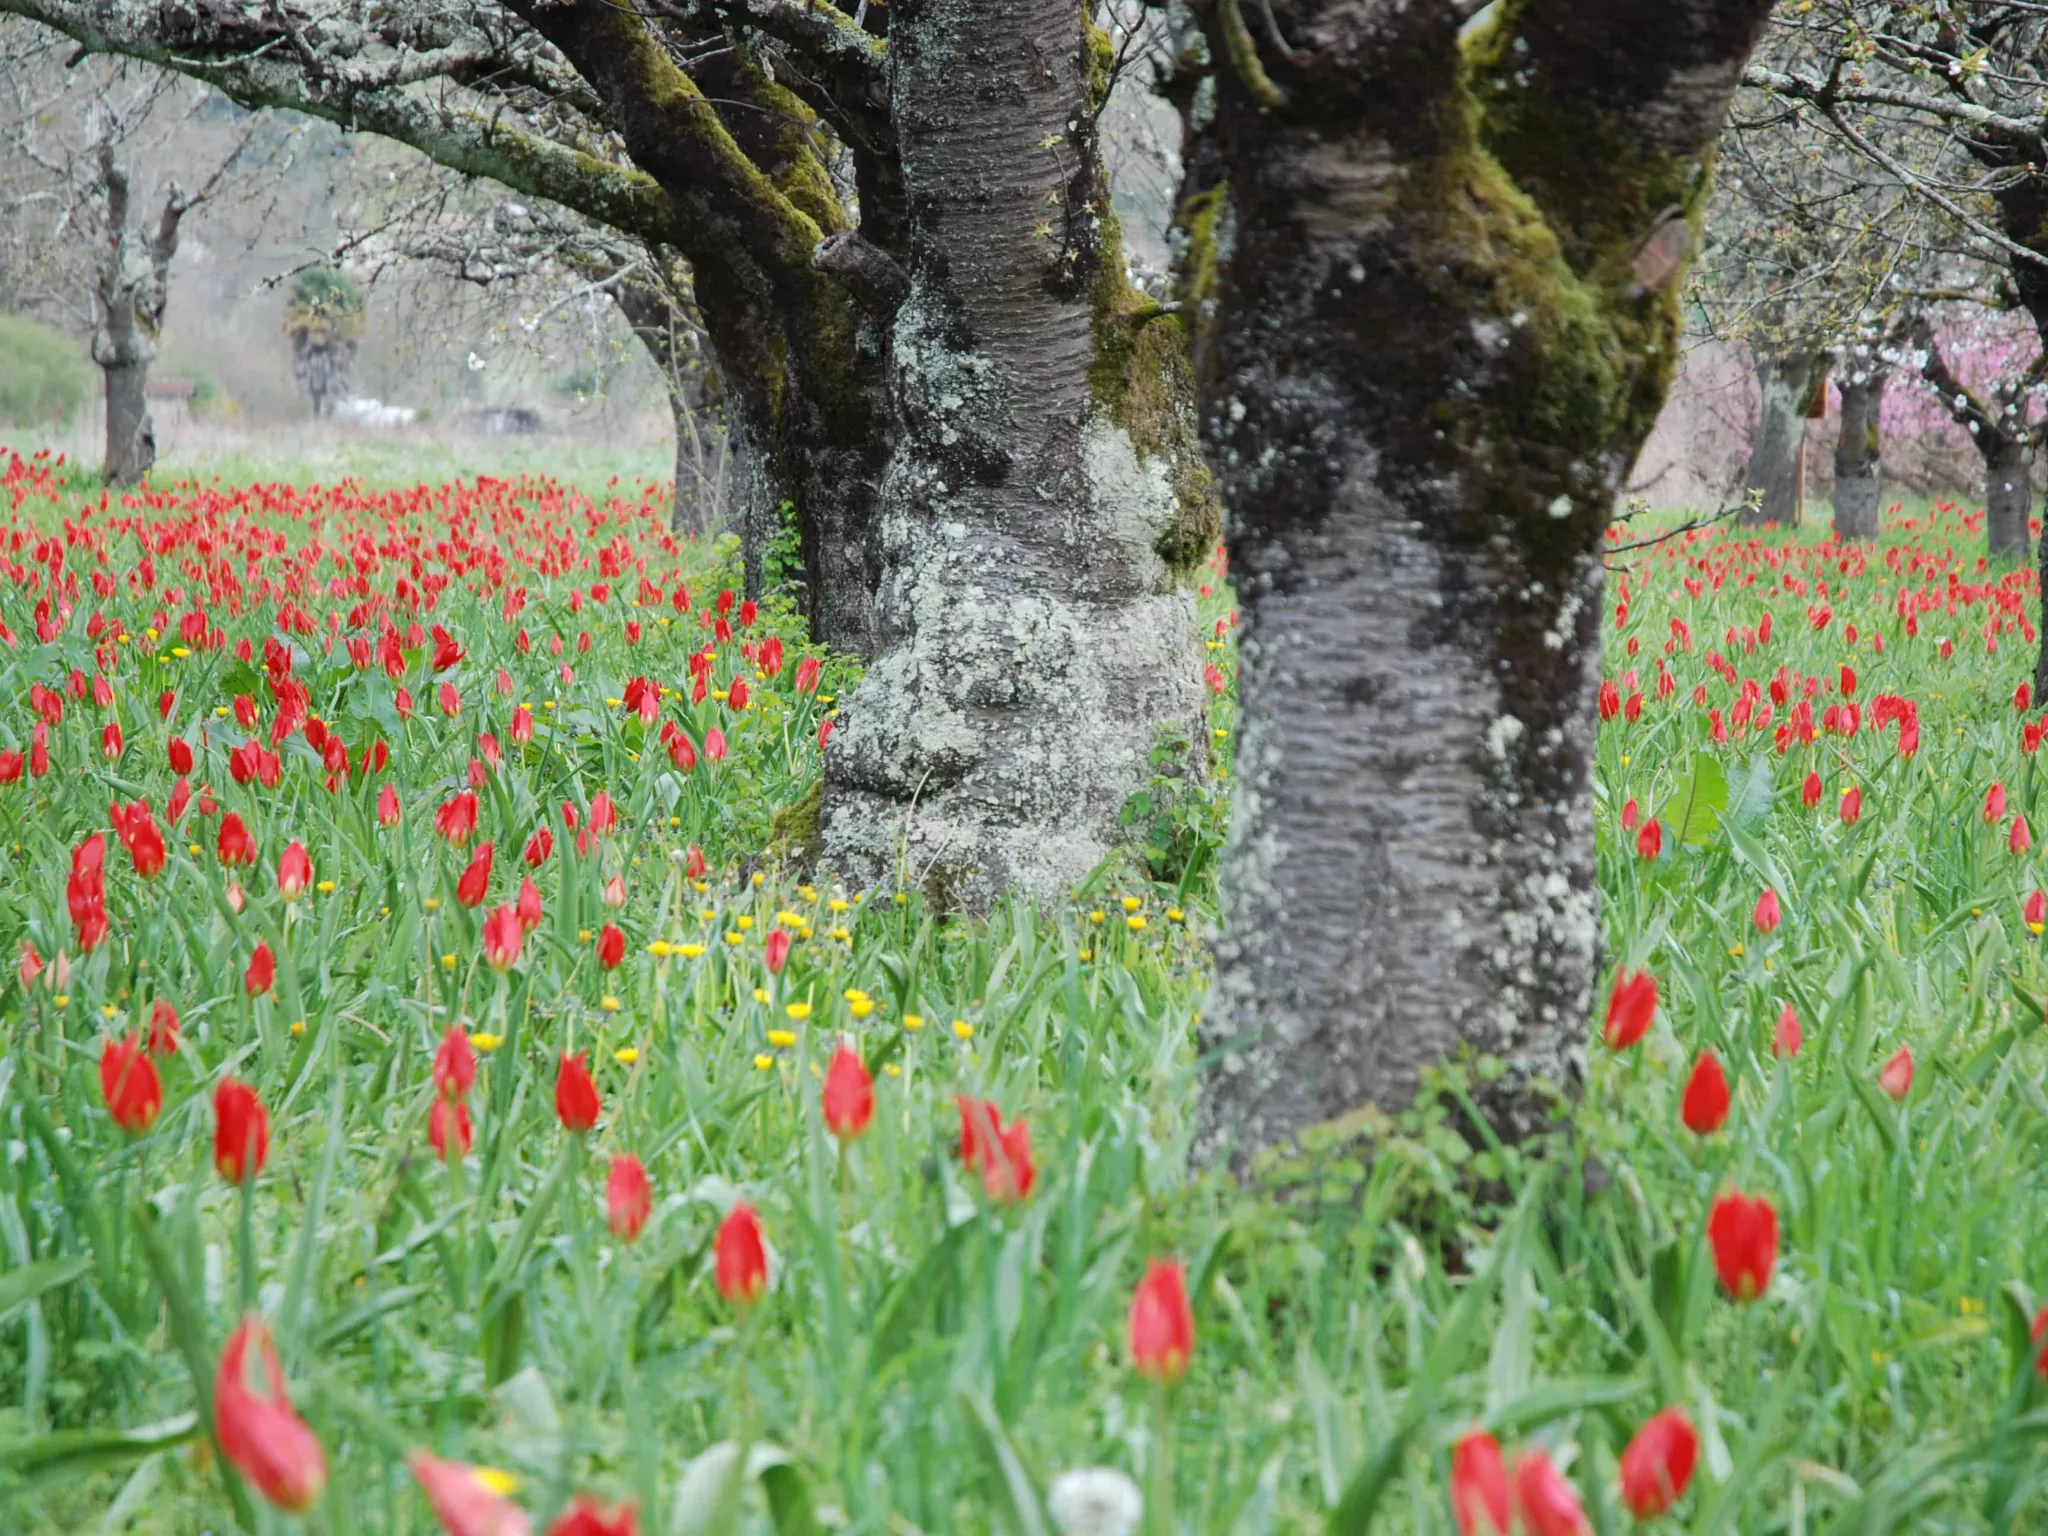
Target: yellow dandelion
298	1027
432	903
1135	922
744	923
963	1029
659	948
689	951
837	904
913	1022
798	1011
483	1042
764	1061
735	937
447	962
760	994
782	1039
1132	903
626	1055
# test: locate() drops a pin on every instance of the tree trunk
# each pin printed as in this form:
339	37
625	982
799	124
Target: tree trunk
2009	496
1858	464
1033	637
1434	360
131	435
1775	465
131	288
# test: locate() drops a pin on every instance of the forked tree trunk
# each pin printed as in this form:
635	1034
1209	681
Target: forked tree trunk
1438	347
1858	462
1775	464
131	290
1033	640
2009	495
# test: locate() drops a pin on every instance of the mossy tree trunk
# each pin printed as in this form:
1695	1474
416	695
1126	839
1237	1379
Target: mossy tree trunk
1034	633
1435	357
1859	469
1786	382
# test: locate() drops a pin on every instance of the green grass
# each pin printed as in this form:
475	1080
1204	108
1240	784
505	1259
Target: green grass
929	1360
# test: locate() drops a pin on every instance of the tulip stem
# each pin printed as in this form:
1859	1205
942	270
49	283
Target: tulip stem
1159	1504
245	1234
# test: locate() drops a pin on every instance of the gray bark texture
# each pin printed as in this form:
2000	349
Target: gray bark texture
1786	383
1997	424
132	287
1859	470
1032	638
1431	367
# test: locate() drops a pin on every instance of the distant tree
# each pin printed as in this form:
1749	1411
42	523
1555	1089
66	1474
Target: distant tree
324	319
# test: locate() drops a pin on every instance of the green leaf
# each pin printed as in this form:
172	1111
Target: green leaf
20	1287
75	1453
1696	807
1018	1503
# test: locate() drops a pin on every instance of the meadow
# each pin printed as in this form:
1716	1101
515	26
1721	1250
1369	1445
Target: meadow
412	946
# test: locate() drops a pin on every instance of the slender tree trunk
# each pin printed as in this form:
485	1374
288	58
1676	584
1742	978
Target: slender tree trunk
2009	496
1858	463
1438	348
1775	466
1034	639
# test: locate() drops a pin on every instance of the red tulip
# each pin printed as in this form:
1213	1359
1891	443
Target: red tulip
586	1517
2039	1333
1810	792
110	742
1994	804
181	756
576	1100
1767	915
475	883
130	1085
1650	841
742	1257
387	807
849	1096
1480	1502
737	697
1630	815
2021	839
464	1502
807	675
1896	1076
693	862
1001	1156
1852	807
1658	1464
241	1131
1787	1039
259	1434
456	819
604	815
262	970
1162	1325
449	1132
235	845
1631	1008
1743	1233
528	904
775	950
503	936
294	871
611	947
628	1201
163	1028
538	847
1704	1108
613	893
1549	1507
2034	911
454	1064
11	765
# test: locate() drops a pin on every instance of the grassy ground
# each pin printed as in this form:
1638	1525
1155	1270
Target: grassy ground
928	1356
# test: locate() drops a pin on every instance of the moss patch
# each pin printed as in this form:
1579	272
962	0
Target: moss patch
795	836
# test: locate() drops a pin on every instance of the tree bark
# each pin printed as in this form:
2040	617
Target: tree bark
1034	636
1431	367
1998	426
1858	463
1775	466
2009	497
131	290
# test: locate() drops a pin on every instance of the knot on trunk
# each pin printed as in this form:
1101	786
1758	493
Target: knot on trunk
869	272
